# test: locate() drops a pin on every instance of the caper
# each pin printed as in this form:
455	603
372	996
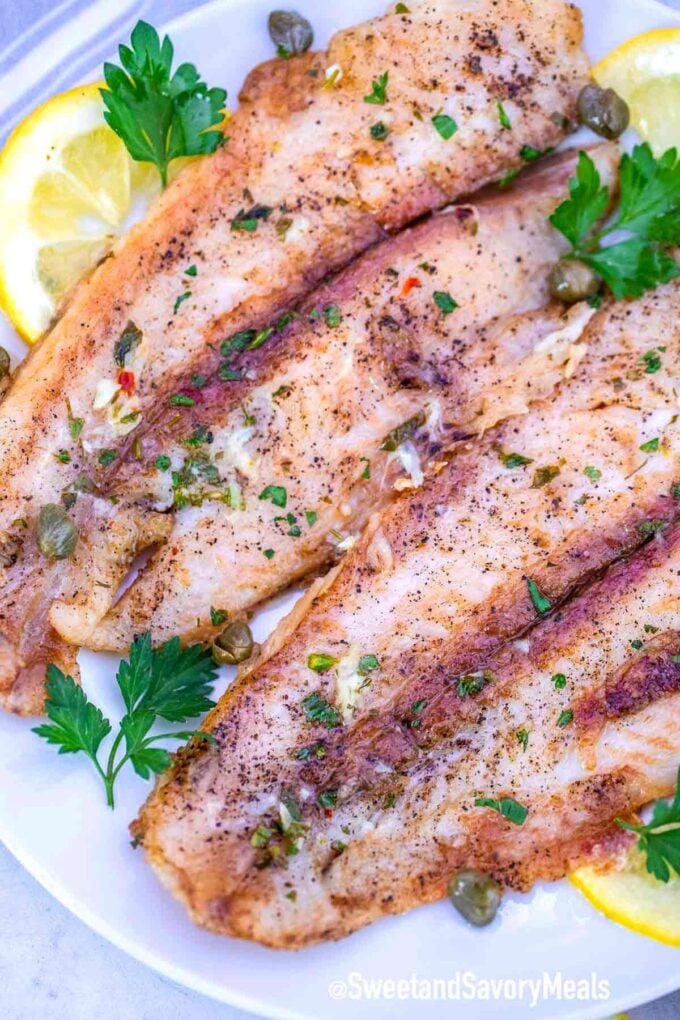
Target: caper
234	645
290	32
603	111
571	280
476	896
57	533
4	363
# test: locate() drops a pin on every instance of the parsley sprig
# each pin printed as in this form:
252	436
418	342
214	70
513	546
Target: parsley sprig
169	682
159	115
646	221
660	838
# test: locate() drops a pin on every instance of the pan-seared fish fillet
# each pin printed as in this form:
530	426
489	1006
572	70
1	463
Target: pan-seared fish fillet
322	401
394	676
300	187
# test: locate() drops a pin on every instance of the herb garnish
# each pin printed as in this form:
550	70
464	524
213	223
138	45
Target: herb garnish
503	118
593	473
158	115
169	682
514	460
321	662
445	126
542	604
276	494
444	301
660	838
107	457
508	807
180	301
379	131
378	96
651	446
648	211
318	710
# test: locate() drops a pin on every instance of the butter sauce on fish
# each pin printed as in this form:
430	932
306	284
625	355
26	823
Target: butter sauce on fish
375	362
347	760
300	187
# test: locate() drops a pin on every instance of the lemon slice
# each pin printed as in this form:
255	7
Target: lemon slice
628	894
645	71
68	188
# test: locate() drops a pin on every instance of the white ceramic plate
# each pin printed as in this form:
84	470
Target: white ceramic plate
53	816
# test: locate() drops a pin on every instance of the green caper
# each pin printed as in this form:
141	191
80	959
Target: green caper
4	363
235	644
290	32
603	111
571	280
476	896
57	533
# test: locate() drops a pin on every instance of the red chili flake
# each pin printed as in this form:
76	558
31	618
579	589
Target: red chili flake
412	282
126	381
328	812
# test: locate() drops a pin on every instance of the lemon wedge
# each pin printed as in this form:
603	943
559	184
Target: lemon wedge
645	71
626	893
68	188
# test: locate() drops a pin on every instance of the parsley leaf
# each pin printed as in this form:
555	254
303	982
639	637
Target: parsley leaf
648	213
660	838
378	96
160	115
169	682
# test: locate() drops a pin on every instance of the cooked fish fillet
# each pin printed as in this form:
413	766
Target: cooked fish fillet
396	674
301	166
313	411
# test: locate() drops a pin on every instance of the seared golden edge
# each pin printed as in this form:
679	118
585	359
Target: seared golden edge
304	151
314	409
437	590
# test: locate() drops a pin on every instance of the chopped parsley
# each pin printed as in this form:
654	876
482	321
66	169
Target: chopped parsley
514	460
63	456
378	96
651	446
659	839
311	517
163	462
542	604
321	662
651	527
126	344
565	718
523	738
181	400
276	494
107	457
444	301
544	475
379	131
593	473
366	473
328	799
367	663
318	710
75	427
529	154
651	361
503	118
473	683
269	553
332	316
191	271
218	616
180	300
637	644
445	126
559	681
508	807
